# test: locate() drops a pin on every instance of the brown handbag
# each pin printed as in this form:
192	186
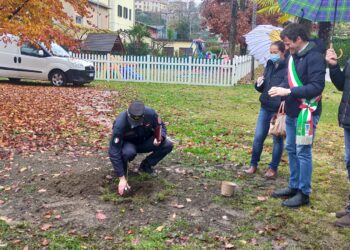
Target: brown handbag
278	122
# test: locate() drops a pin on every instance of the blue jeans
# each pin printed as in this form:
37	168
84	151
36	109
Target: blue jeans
300	157
261	131
347	149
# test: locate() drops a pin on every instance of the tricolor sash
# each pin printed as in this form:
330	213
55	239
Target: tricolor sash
304	132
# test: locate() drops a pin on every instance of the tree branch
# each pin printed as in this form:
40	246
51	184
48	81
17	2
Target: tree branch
18	9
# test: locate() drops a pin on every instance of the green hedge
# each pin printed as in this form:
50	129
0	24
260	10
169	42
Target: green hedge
344	44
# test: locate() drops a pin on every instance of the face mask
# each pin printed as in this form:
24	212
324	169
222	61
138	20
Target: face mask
275	57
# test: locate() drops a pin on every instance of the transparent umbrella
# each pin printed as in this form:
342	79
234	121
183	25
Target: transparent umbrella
259	41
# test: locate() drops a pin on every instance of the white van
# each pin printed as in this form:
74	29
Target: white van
39	63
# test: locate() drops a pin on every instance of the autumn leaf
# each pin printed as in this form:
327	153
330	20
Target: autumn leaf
45	242
6	219
108	237
15	242
160	228
100	215
262	198
45	227
2	202
23	169
178	206
25	247
229	246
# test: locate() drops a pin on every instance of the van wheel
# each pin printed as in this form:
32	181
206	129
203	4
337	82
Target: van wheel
58	78
14	80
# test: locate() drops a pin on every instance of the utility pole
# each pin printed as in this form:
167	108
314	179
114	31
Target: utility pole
252	69
255	7
233	28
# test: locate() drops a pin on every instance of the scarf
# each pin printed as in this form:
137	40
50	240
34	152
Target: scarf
304	132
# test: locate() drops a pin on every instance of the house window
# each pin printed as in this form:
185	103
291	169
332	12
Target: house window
130	14
79	19
125	13
120	11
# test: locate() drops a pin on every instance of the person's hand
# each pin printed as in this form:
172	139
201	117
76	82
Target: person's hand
331	57
260	81
278	91
123	184
156	142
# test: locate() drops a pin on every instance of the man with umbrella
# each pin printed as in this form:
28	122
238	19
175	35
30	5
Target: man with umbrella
303	88
341	80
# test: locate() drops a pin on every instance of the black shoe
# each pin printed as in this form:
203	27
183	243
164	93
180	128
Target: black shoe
284	192
297	200
146	167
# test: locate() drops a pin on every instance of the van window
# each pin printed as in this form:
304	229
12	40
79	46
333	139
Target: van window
30	50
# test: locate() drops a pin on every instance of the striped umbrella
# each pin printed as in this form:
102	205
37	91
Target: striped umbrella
318	10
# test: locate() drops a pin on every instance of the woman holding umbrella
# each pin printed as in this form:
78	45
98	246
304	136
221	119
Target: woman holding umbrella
341	80
274	74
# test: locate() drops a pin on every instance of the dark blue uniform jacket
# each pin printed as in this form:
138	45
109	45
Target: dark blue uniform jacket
123	132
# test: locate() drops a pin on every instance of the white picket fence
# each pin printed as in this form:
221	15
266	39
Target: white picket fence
213	72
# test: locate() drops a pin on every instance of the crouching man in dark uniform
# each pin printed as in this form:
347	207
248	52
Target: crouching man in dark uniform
139	129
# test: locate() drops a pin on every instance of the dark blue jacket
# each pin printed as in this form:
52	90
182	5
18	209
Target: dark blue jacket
341	80
273	76
122	132
311	69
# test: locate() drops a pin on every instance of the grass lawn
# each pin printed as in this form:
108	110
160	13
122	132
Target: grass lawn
216	125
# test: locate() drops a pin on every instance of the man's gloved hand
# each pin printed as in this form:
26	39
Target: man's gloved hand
123	185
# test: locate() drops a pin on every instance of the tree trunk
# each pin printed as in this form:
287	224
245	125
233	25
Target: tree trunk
243	5
233	28
324	32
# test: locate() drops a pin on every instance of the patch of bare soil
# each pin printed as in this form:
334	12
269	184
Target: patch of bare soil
68	191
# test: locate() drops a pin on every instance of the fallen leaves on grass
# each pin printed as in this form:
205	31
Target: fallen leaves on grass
38	118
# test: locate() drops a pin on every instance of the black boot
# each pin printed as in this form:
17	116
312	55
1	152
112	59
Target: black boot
284	192
297	200
146	167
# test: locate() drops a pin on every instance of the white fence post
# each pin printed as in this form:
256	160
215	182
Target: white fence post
108	67
169	70
148	74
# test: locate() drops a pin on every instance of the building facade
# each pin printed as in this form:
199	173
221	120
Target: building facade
122	14
158	6
106	14
99	10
